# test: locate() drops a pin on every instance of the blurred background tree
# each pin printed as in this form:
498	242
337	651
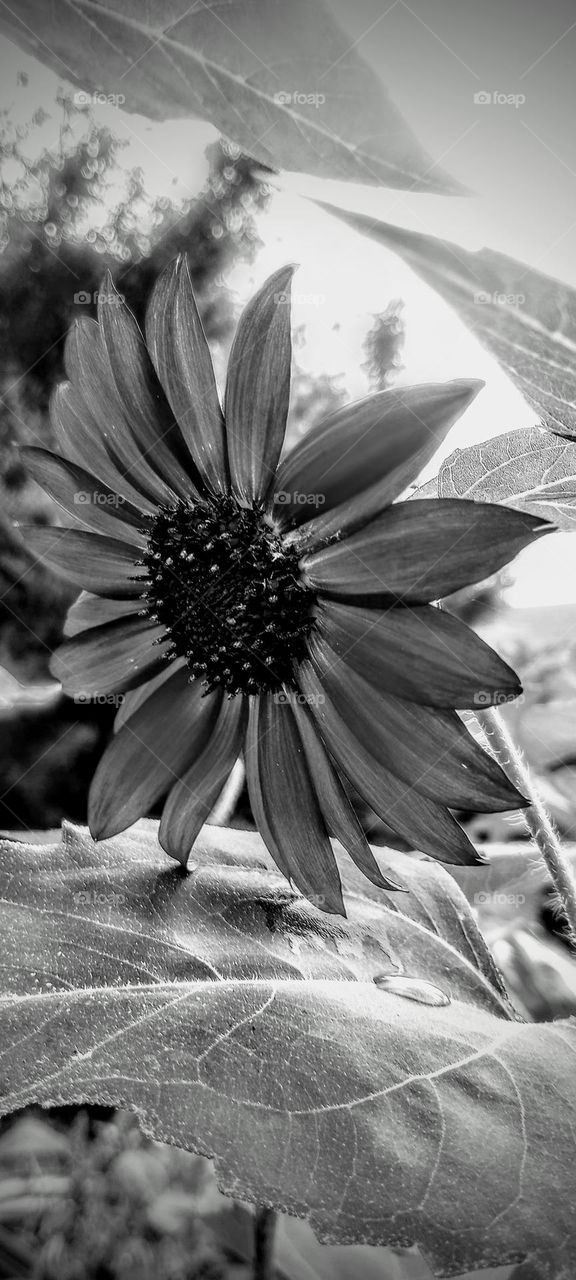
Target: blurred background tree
383	346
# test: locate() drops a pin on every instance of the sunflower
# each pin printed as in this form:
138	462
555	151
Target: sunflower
278	607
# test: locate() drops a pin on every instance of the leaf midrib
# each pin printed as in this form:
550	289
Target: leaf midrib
223	72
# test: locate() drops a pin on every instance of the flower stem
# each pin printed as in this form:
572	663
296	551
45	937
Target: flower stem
535	817
264	1227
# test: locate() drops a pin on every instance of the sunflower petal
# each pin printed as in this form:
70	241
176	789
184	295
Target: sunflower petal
422	654
337	810
80	441
425	824
149	754
421	551
258	388
85	497
136	697
285	806
142	397
428	748
183	363
101	565
115	656
192	799
362	457
96	400
93	611
257	712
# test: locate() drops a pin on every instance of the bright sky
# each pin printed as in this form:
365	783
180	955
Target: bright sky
343	280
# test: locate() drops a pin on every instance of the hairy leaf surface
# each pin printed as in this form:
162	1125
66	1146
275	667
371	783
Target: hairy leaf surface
531	470
241	1022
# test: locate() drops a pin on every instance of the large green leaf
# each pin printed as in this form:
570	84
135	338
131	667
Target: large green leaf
240	1021
531	470
280	79
527	320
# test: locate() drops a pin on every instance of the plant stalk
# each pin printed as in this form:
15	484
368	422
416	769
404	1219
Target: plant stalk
264	1229
536	817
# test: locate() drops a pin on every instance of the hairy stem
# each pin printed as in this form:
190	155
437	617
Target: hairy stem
264	1227
535	817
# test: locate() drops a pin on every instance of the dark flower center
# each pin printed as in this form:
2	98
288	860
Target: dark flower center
229	593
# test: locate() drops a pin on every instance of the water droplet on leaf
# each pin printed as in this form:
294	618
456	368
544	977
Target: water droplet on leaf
411	988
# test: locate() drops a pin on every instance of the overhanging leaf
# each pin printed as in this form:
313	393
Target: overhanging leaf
281	80
531	470
527	320
241	1022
